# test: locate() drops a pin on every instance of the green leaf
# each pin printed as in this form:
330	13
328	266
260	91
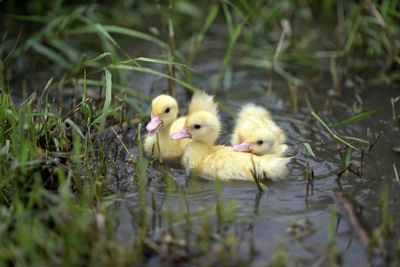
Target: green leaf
32	18
267	64
211	17
107	102
349	156
156	73
332	226
309	149
5	149
162	61
49	53
75	127
120	30
188	8
353	119
103	32
335	136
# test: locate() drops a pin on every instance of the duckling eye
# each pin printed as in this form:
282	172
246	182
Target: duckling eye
197	126
167	110
260	142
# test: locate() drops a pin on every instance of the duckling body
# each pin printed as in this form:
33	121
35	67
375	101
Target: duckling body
257	133
164	123
205	159
224	163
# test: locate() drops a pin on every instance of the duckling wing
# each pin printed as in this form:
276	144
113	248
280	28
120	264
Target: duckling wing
222	164
273	167
226	164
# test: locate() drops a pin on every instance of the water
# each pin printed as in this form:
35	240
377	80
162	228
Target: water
266	219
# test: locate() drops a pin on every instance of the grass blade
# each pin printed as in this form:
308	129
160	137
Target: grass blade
353	119
162	61
267	64
120	30
156	73
75	127
32	18
349	157
101	31
49	53
107	102
309	149
335	136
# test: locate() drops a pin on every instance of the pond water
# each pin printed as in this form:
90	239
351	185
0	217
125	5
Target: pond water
290	214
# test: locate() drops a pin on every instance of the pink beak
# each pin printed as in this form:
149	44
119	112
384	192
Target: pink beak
155	124
243	147
183	133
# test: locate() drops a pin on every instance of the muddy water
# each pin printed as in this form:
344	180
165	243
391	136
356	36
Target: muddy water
268	219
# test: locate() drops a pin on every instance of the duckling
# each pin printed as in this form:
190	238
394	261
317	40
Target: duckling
164	122
210	161
257	133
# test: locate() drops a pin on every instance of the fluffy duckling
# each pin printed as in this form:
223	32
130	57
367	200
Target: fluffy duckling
205	159
257	133
164	122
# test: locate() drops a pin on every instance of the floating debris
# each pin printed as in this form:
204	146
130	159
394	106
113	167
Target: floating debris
396	148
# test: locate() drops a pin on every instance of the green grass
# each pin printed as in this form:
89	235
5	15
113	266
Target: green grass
50	215
334	135
333	253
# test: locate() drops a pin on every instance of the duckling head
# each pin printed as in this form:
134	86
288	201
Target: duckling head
164	110
260	141
202	126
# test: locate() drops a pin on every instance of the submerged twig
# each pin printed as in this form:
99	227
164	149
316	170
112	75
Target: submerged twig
393	102
131	158
159	149
396	173
337	89
352	218
310	176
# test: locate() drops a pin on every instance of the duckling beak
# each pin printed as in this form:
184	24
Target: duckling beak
183	133
155	124
243	147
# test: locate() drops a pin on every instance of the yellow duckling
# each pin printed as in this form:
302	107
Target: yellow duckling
205	159
257	133
164	122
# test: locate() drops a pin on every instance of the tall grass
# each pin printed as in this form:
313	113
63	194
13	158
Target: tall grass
258	35
55	208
